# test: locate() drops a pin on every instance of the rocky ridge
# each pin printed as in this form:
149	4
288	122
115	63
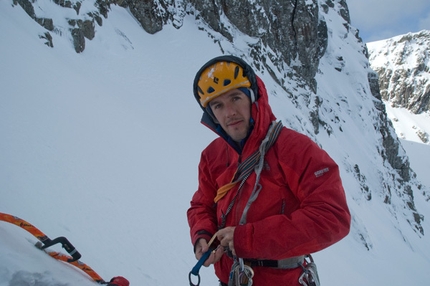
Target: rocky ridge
403	67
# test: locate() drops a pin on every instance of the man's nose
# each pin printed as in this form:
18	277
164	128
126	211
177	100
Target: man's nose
230	110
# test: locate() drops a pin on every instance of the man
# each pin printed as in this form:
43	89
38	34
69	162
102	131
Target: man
267	193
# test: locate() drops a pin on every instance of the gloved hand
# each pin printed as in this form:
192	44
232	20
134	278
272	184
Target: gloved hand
118	281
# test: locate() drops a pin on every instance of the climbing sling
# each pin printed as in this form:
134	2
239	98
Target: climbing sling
247	166
241	274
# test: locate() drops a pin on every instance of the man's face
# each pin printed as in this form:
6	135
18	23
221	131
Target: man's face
232	110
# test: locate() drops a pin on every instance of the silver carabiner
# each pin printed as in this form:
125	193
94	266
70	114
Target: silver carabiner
241	274
245	276
309	276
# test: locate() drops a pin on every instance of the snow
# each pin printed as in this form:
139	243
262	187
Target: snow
411	49
408	126
412	129
102	147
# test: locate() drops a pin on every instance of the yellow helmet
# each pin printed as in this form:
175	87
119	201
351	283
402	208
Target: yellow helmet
220	75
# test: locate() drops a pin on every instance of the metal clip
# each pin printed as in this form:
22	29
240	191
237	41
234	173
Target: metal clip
309	276
241	274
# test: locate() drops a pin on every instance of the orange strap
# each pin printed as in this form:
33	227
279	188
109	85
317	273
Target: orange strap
78	264
224	190
25	225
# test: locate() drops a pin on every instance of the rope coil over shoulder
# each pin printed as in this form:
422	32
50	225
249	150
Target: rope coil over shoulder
247	166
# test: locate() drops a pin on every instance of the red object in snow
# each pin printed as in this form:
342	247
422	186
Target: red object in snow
119	281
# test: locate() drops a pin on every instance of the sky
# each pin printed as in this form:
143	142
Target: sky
383	19
102	147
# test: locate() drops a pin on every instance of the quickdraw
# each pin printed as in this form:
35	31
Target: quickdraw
196	268
199	264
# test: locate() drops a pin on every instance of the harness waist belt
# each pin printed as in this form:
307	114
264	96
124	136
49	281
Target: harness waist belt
288	263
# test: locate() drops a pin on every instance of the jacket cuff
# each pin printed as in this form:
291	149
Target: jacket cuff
201	234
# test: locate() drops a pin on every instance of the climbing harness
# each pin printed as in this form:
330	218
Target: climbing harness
309	276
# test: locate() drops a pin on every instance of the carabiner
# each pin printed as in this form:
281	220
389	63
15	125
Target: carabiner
240	274
196	268
309	277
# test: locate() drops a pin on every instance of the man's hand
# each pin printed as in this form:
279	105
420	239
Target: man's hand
202	247
226	238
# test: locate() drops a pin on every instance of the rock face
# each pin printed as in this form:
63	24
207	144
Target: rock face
152	15
403	67
391	153
81	27
292	29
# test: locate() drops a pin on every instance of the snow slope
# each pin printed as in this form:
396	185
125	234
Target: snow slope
408	126
102	148
93	147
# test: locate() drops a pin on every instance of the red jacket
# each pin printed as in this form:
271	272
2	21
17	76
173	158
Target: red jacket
301	208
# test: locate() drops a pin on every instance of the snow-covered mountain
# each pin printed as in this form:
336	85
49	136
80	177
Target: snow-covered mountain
403	66
102	146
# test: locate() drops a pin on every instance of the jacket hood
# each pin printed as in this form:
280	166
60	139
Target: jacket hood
261	114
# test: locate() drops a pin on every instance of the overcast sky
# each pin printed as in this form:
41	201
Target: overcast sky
382	19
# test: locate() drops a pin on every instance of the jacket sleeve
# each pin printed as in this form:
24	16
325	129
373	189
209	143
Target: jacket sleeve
202	212
321	219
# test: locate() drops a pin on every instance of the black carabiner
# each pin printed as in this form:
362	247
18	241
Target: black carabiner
66	245
196	268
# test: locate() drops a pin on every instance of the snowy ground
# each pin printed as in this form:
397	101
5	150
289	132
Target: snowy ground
102	147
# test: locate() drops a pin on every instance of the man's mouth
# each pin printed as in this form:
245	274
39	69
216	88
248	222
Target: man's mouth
234	122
